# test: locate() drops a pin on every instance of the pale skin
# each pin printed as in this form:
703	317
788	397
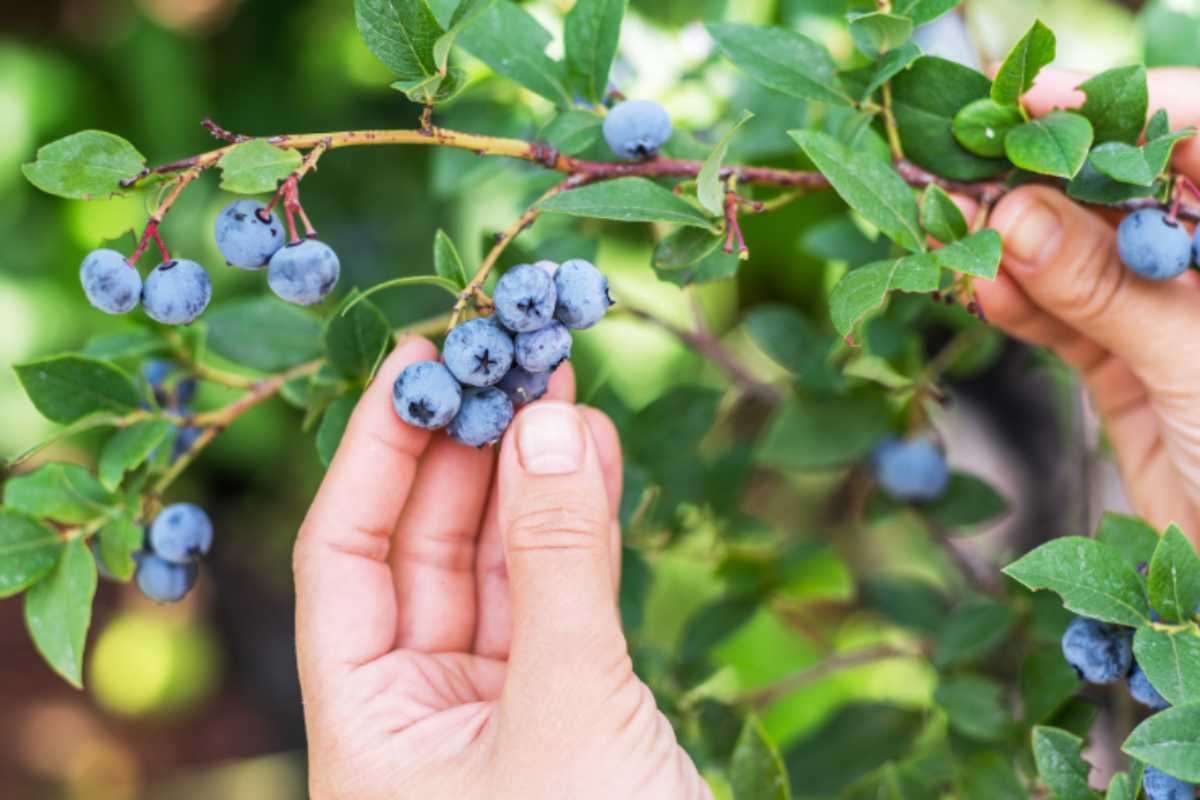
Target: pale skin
457	626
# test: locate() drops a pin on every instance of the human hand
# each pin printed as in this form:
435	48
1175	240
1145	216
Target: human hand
1135	342
457	624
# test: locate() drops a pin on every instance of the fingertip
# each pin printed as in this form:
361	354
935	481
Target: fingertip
408	350
608	449
1055	88
562	384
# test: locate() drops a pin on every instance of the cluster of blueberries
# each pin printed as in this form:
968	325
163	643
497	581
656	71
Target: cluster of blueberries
490	365
911	470
178	538
1103	654
176	292
1155	245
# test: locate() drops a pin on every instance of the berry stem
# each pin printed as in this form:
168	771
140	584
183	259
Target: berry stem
733	231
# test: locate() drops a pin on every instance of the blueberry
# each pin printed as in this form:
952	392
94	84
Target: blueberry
548	267
483	418
162	580
1195	257
181	533
303	272
582	294
110	282
1161	786
246	235
176	292
1153	246
478	352
545	349
910	469
523	386
636	129
426	395
525	298
1144	692
1099	652
155	371
184	441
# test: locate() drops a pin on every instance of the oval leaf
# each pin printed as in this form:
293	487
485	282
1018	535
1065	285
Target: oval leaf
781	59
28	550
1056	144
1092	578
1170	741
87	165
67	388
626	200
256	166
58	611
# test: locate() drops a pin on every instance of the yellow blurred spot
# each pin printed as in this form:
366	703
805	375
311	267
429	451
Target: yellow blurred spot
93	222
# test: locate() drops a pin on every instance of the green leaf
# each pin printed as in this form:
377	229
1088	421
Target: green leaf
1056	144
58	611
357	339
1092	578
263	333
1171	660
708	181
781	59
28	550
683	248
982	125
450	287
590	35
888	66
940	217
869	186
823	432
876	32
129	449
712	623
1174	580
863	290
255	167
793	343
1090	186
972	630
1060	763
967	501
446	261
573	132
433	89
59	491
626	200
1158	126
978	254
1120	787
1134	538
922	11
858	738
510	41
925	100
67	388
117	541
1141	166
1117	102
333	425
989	776
757	771
1046	682
1170	741
125	344
88	165
401	34
1034	51
464	14
973	705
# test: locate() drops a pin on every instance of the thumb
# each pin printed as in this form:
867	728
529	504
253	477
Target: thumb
556	524
1065	259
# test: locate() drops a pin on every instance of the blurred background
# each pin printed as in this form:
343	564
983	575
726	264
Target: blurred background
200	700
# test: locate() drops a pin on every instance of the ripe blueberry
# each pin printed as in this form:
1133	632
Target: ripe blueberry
549	267
176	292
247	235
303	272
162	580
1152	245
636	129
1161	786
478	352
1144	692
543	350
483	418
910	469
110	283
181	533
582	294
426	395
1099	652
525	298
523	386
184	442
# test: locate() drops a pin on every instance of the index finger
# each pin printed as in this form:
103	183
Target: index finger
345	598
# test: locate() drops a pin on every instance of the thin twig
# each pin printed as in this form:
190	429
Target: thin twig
764	697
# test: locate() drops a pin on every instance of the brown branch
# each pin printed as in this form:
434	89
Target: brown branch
766	696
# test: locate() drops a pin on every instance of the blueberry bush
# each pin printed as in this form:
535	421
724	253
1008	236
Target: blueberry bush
823	419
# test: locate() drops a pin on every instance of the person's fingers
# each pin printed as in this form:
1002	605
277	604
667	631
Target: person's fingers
1064	259
608	445
433	549
556	522
345	598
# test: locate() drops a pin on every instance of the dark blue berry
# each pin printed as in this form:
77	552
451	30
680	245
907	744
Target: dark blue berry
110	283
483	418
1161	786
426	395
181	533
247	235
1144	692
1099	652
478	352
543	350
635	129
1152	245
582	294
162	580
523	386
910	469
525	298
177	292
304	272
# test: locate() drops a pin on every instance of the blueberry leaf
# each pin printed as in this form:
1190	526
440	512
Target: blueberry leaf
58	611
1032	52
117	541
708	182
28	550
357	338
973	705
922	11
977	254
626	200
401	34
1133	537
757	771
510	41
1092	578
129	448
1056	144
781	59
940	217
876	32
1141	166
981	126
465	13
968	501
1060	763
69	387
256	166
1046	683
1092	186
263	333
88	165
863	290
1116	105
1174	580
683	248
1170	741
1171	660
590	34
822	432
446	261
888	66
60	491
573	132
974	629
333	426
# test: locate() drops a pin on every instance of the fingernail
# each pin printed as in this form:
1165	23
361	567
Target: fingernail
549	439
1036	235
